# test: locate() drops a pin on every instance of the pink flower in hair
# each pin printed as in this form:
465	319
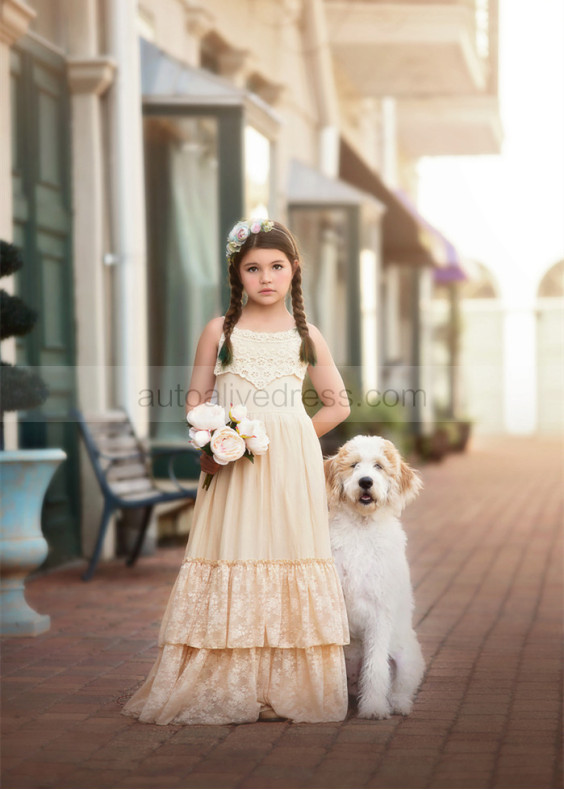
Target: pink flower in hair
242	233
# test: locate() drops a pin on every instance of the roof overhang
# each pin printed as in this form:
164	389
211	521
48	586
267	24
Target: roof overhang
167	81
310	188
406	49
449	126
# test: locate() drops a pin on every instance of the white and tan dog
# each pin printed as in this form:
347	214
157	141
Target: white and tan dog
368	486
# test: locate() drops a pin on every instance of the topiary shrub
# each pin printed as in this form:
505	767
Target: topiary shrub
20	388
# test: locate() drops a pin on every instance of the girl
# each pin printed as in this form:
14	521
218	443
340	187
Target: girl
256	620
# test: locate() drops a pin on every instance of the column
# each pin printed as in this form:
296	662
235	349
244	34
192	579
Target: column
128	232
520	369
89	76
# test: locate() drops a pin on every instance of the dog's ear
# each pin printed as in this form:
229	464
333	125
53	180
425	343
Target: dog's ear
333	483
409	484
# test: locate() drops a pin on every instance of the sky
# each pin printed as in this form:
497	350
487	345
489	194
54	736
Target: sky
509	208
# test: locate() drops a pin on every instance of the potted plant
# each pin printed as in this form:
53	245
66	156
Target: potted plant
433	446
25	474
458	429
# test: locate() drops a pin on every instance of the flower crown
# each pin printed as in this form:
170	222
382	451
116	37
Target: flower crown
241	232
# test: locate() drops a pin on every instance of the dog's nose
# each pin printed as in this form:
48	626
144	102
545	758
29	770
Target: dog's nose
365	482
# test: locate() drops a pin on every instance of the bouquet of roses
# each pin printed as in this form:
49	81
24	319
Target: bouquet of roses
225	439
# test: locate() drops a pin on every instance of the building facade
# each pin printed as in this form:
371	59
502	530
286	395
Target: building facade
139	131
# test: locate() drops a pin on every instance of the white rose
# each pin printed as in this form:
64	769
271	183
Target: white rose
248	427
258	444
226	445
207	416
199	438
254	435
237	413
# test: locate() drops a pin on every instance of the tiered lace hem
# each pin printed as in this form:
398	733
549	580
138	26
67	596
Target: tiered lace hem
191	686
217	604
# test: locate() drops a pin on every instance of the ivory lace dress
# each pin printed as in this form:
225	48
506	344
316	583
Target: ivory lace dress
257	614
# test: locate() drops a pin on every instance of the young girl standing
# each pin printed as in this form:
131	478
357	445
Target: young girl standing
256	622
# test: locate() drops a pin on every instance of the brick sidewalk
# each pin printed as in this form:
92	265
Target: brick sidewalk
485	545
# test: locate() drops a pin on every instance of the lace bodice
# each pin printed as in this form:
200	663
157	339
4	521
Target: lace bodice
261	357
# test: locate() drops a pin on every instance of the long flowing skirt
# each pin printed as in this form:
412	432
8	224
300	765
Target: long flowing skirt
256	614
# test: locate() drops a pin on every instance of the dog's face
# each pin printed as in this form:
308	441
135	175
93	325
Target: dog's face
368	473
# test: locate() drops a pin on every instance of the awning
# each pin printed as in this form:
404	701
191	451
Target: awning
406	236
163	75
453	273
166	79
308	187
450	267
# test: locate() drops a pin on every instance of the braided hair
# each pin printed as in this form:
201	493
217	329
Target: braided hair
279	238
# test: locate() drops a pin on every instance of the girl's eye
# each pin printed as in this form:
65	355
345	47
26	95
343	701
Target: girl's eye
276	265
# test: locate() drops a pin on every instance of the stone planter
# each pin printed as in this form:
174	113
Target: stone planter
24	478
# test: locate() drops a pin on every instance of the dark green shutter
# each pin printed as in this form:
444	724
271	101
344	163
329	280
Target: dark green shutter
41	165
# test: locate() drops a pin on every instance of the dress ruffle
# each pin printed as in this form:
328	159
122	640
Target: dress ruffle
257	613
218	604
188	685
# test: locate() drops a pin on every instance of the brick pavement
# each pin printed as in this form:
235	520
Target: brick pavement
485	546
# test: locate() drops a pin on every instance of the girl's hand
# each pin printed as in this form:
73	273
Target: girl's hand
208	465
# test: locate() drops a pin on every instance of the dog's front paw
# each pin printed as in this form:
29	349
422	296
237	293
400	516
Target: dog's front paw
374	709
401	703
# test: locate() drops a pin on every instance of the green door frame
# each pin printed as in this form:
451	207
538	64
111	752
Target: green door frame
42	220
353	215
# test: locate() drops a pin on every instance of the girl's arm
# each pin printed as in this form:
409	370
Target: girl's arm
202	381
329	386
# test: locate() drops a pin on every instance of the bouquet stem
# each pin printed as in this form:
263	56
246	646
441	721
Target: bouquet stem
207	481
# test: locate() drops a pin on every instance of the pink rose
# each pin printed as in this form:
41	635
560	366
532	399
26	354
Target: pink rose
242	233
226	445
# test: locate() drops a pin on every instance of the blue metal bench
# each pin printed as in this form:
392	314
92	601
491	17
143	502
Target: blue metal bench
123	469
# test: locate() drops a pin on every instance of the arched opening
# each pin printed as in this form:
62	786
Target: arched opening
482	349
481	285
552	283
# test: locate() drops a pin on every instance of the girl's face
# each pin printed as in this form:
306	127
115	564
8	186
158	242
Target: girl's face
266	275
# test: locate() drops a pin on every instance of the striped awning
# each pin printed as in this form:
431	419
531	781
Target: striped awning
407	237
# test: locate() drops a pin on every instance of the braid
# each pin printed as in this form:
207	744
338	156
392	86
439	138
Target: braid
276	237
307	348
231	316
